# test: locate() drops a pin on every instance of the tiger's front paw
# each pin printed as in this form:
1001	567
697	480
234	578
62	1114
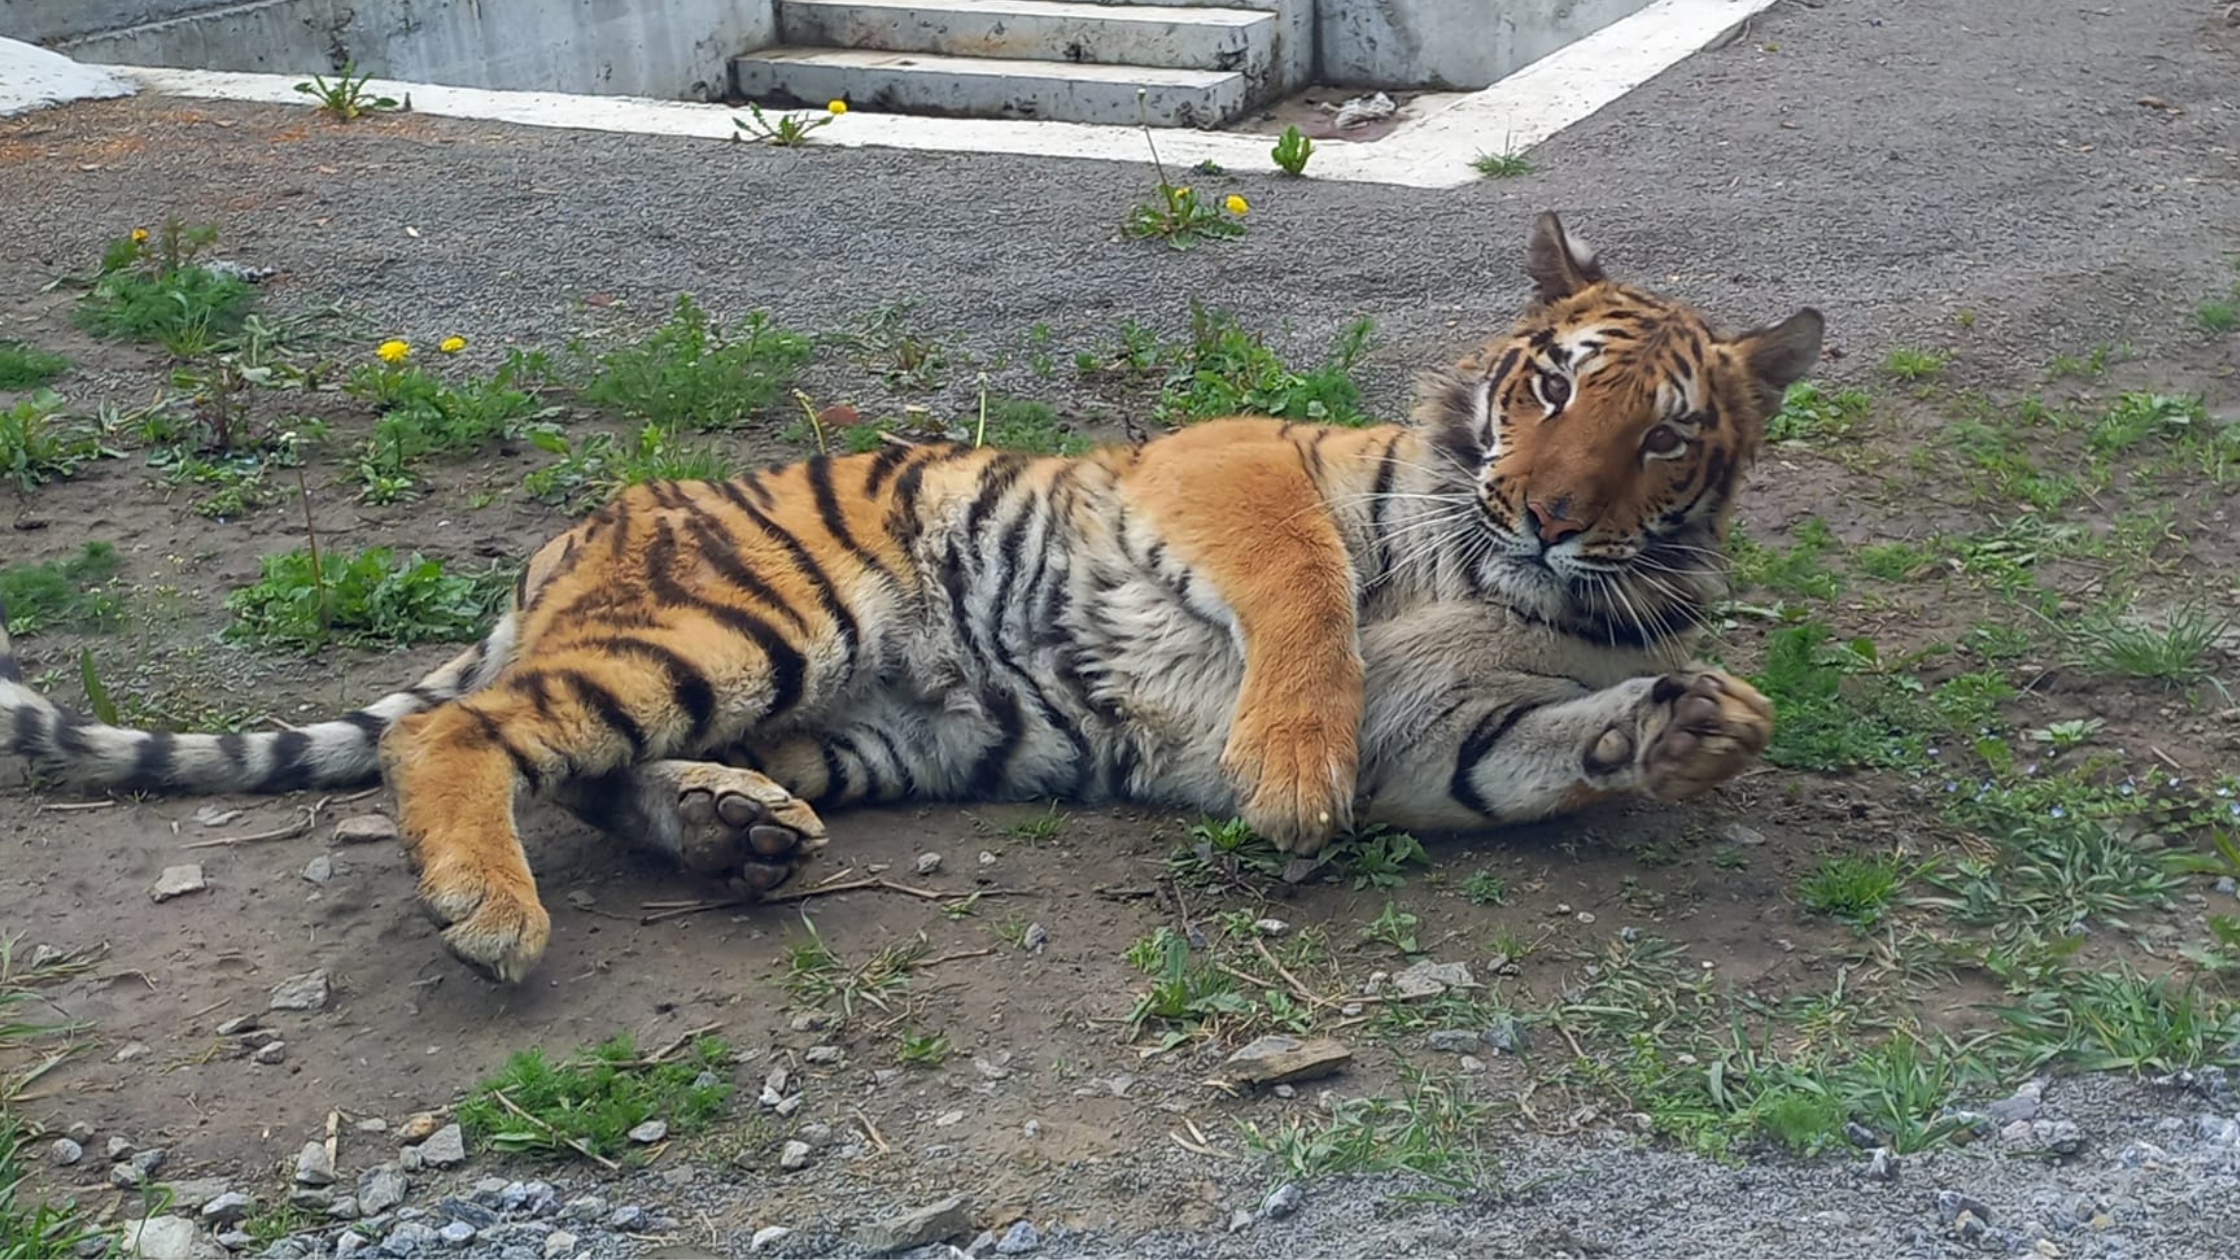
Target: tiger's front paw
743	826
491	918
1712	725
1294	777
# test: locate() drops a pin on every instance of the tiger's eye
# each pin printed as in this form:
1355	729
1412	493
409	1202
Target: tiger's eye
1555	390
1661	440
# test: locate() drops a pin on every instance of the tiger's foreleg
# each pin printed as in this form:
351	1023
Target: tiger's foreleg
1282	571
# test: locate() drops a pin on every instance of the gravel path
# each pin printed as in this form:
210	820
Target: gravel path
2063	171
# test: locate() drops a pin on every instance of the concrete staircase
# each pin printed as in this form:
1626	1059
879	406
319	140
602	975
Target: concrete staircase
1199	64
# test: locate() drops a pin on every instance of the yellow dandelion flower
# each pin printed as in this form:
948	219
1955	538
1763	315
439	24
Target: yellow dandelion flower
1182	192
452	344
1236	204
836	107
139	235
393	350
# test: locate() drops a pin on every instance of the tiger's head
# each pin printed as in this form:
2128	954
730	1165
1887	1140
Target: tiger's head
1607	436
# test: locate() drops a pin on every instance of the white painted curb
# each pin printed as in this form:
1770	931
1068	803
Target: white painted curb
1433	150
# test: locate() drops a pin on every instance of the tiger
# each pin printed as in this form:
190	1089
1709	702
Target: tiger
1483	616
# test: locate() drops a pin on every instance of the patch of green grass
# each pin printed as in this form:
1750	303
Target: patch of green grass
599	466
1810	414
1800	569
150	288
371	599
277	1219
916	1049
1040	829
882	341
589	1103
815	974
1893	561
36	447
2100	1021
1224	854
1852	889
1184	995
1020	424
2176	651
1837	712
2136	416
1502	165
1183	216
423	417
1377	857
23	365
690	374
2217	316
2090	365
1434	1129
2050	870
1227	370
1484	888
1393	928
66	594
39	1229
1909	364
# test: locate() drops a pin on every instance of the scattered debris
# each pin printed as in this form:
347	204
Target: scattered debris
928	863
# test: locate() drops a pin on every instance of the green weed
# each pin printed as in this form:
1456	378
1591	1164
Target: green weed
1227	370
1799	569
915	1049
35	448
23	365
2176	651
39	1229
2102	1021
1434	1130
1855	890
2217	316
423	417
1502	165
66	594
1183	995
690	374
1484	888
596	468
1809	414
816	975
345	99
1393	928
588	1104
153	290
2136	416
1837	711
371	599
793	129
1292	151
1019	424
1894	561
1914	365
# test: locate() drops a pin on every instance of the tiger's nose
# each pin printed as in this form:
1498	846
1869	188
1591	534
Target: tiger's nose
1549	522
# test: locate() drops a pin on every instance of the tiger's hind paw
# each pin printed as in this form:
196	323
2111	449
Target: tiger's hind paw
1714	725
741	826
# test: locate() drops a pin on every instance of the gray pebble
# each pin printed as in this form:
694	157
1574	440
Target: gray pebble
1282	1201
794	1157
2064	1137
1454	1041
344	1208
307	992
2019	1107
584	1210
2228	886
118	1148
928	863
410	1239
236	1240
1241	1219
1036	937
346	1244
767	1235
1882	1164
456	1234
471	1212
65	1152
380	1188
559	1243
445	1147
821	1054
1951	1203
238	1025
228	1208
1021	1239
79	1132
270	1053
319	869
314	1165
650	1132
311	1198
630	1218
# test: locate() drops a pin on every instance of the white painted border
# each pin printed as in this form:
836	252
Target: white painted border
1430	151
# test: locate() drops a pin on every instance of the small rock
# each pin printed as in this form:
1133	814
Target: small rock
1427	978
1282	1201
774	1087
940	1221
586	1210
650	1132
456	1233
794	1157
228	1208
79	1132
1858	1134
558	1244
928	863
1454	1041
1503	1036
1736	833
1968	1226
811	1021
987	858
766	1235
164	1238
1241	1219
346	1244
319	869
418	1126
129	1051
444	1147
344	1208
788	1105
373	1124
236	1240
188	1194
311	1198
472	1213
1882	1164
947	1118
408	1160
145	1163
177	881
380	1188
2019	1107
307	992
238	1025
410	1238
2228	886
1019	1240
1285	1091
1472	1063
314	1165
995	1069
1951	1203
270	1053
2017	1131
1270	927
1279	1058
65	1152
1035	938
364	829
630	1220
2064	1138
821	1054
118	1148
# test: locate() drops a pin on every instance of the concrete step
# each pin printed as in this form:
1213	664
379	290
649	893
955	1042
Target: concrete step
988	87
1185	38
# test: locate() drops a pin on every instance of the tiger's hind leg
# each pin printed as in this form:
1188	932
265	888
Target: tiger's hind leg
714	820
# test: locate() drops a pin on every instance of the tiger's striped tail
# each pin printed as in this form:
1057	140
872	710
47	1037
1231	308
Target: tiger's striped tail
340	752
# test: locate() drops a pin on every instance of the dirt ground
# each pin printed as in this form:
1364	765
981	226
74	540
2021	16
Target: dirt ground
2100	204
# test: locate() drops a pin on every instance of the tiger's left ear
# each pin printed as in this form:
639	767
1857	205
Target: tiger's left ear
1780	356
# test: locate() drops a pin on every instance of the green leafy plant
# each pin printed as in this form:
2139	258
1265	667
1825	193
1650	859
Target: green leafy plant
591	471
372	599
1177	213
1225	369
588	1104
1853	889
1292	151
1502	165
151	289
66	594
36	448
922	1049
1811	414
1909	364
688	374
792	130
345	99
23	365
1484	888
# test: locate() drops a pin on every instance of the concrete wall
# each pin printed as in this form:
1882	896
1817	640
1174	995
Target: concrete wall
1449	45
672	49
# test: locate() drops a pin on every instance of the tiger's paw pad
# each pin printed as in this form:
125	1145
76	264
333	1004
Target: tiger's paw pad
488	923
1294	782
744	828
1715	725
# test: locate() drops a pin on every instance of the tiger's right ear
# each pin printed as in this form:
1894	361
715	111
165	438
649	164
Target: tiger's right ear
1560	265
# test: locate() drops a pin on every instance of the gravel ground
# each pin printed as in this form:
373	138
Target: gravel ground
2062	171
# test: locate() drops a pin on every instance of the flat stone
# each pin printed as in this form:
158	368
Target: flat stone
191	1193
1279	1058
364	829
794	1157
177	881
630	1219
228	1208
65	1152
650	1132
445	1147
344	1208
319	869
166	1238
559	1244
1282	1201
1019	1240
129	1051
2008	1110
821	1054
767	1235
270	1053
380	1188
456	1234
938	1222
311	1198
238	1025
1454	1041
1429	979
307	992
928	863
118	1148
314	1165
